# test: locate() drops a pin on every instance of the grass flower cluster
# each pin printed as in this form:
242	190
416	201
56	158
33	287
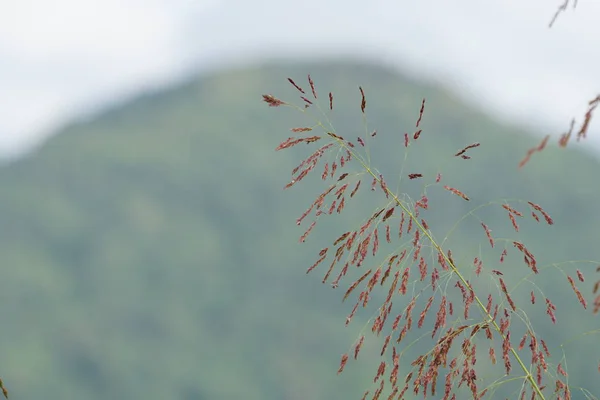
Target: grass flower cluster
421	292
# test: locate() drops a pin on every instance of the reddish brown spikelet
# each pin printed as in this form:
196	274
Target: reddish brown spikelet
402	334
537	207
296	86
374	133
545	347
438	178
378	391
424	312
406	140
456	192
580	276
442	261
401	225
414	176
450	258
383	186
550	308
534	215
564	138
532	297
305	129
313	158
468	301
424	223
356	283
504	253
373	280
522	342
388	214
360	141
358	346
361	251
385	344
380	371
312	87
540	147
560	370
375	241
363	101
340	206
342	176
588	117
338	137
386	274
492	355
529	258
440	319
292	141
366	225
416	241
349	317
510	301
388	235
461	152
421	113
417	134
355	189
505	352
343	363
331	101
272	101
316	263
340	192
304	215
332	207
310	228
321	198
488	332
396	322
404	283
423	202
341	238
422	267
392	287
329	272
512	210
577	292
513	221
408	312
478	265
333	169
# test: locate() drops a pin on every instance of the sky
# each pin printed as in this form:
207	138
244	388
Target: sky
65	59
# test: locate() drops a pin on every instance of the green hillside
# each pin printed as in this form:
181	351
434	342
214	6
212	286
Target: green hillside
151	253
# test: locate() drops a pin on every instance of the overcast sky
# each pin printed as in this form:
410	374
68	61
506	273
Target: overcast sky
63	58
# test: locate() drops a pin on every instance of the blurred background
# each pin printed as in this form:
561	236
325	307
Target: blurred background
148	250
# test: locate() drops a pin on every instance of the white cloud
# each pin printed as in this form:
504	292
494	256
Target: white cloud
67	56
63	57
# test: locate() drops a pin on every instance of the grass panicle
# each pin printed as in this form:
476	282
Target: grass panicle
413	286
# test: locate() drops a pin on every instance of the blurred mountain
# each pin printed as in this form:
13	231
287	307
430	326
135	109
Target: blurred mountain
151	253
